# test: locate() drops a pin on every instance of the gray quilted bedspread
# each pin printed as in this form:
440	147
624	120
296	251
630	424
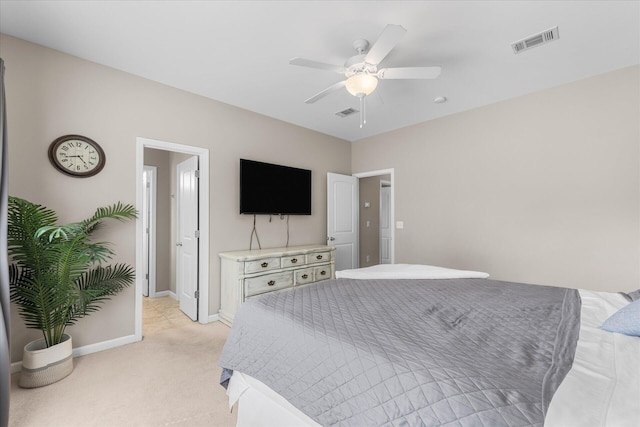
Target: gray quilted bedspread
456	352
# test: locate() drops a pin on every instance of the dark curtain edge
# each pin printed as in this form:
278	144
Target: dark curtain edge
5	331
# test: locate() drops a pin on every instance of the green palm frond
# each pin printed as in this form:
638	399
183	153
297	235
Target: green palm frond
64	232
98	252
55	274
117	211
24	219
28	218
96	285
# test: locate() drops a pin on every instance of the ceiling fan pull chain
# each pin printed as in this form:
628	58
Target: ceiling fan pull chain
364	110
362	121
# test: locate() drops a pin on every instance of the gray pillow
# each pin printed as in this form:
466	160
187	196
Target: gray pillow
635	295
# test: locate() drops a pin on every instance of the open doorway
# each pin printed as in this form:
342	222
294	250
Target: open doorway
170	219
181	196
374	220
348	211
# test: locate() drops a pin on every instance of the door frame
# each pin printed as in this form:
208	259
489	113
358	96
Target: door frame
203	212
153	192
391	174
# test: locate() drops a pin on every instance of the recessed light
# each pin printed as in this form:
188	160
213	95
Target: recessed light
440	100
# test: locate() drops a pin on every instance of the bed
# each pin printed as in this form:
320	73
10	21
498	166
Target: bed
423	346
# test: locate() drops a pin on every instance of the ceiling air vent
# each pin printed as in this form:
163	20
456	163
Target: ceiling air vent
536	40
347	112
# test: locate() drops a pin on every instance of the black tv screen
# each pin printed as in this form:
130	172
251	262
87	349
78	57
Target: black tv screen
266	188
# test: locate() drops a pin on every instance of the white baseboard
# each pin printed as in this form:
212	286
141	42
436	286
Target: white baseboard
106	345
88	349
166	294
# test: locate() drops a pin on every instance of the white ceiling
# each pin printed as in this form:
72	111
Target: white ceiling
237	52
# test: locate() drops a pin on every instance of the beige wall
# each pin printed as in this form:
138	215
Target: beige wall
369	192
160	159
50	94
540	189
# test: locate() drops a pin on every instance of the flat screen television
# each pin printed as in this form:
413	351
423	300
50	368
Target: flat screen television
268	189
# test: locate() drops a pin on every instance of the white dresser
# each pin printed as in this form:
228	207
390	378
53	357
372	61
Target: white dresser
245	274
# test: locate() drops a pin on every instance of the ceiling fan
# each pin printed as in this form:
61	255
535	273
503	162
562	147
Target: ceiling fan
361	70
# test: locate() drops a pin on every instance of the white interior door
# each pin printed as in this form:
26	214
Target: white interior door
342	219
148	214
187	239
385	222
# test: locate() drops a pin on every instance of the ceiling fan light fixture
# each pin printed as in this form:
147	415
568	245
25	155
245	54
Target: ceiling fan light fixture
361	84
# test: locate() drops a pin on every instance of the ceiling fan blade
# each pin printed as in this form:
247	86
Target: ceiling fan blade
389	38
315	64
409	73
326	92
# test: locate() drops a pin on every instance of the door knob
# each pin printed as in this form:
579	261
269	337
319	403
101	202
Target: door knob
179	244
331	239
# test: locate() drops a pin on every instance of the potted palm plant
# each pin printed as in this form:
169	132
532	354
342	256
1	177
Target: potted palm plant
57	276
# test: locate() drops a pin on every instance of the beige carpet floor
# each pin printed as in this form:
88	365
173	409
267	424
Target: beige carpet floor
168	379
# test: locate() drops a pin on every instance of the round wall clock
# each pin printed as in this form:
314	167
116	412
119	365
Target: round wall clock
76	156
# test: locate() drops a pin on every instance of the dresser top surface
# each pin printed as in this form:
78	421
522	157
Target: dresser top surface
274	252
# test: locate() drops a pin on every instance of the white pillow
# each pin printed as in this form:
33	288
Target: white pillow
408	271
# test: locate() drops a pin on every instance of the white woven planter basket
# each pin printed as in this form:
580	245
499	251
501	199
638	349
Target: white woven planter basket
43	366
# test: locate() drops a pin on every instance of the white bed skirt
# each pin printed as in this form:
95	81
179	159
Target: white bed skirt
602	389
258	405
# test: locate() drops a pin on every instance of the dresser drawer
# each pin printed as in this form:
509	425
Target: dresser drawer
304	276
249	274
264	264
292	261
322	273
267	283
318	257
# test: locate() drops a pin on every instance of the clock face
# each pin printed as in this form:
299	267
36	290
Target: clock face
76	155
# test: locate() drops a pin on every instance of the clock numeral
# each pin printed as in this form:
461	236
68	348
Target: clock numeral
78	144
70	144
65	148
64	160
78	167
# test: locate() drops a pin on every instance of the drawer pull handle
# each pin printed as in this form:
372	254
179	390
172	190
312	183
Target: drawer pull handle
271	282
294	260
305	276
264	264
319	257
322	273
